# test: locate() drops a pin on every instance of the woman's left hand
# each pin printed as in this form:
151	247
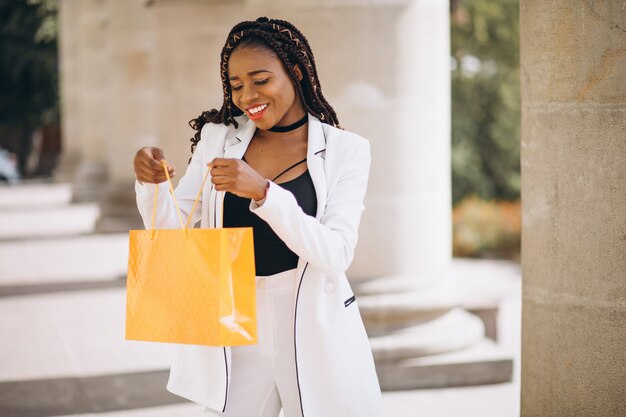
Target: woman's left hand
237	177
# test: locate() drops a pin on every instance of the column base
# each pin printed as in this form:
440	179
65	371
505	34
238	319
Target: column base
483	363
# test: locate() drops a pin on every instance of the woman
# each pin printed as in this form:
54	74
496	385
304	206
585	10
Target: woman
279	164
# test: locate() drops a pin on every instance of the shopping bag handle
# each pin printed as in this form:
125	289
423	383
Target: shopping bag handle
184	225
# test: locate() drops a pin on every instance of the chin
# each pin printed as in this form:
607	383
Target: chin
264	124
261	125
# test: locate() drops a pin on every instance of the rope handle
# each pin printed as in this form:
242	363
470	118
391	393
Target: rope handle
184	225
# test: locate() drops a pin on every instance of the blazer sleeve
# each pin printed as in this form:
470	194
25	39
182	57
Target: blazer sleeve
327	244
185	192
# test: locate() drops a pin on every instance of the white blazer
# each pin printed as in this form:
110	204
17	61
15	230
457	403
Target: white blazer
335	368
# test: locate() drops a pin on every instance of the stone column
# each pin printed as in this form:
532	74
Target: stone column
131	93
67	47
573	66
84	78
402	105
131	98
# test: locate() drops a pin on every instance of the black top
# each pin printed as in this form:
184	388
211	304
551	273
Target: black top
271	255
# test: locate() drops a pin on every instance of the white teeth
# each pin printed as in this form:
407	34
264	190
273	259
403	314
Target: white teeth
255	110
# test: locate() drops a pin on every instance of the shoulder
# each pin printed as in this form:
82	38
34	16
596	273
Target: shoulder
345	153
345	143
343	137
211	131
213	135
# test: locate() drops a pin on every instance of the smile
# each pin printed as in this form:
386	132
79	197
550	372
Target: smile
256	111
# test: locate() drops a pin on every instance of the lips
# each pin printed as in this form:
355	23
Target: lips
257	112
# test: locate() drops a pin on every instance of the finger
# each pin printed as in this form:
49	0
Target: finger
161	177
223	162
223	187
157	153
217	171
153	164
151	175
170	168
157	165
163	162
145	172
220	179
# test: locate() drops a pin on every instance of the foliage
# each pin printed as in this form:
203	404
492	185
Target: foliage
486	228
485	99
28	64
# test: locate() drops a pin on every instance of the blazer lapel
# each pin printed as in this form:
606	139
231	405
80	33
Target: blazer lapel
235	146
316	154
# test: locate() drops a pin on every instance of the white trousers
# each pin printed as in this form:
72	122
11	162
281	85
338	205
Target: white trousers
263	375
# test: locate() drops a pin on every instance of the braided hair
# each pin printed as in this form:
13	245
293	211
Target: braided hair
291	47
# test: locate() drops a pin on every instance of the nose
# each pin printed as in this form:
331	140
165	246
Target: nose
248	95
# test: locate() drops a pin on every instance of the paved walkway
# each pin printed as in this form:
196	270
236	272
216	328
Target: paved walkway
63	352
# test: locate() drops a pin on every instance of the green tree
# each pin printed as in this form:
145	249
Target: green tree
485	99
28	71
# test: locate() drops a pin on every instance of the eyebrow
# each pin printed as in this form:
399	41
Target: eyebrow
235	77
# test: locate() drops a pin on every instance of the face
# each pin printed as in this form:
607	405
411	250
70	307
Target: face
262	88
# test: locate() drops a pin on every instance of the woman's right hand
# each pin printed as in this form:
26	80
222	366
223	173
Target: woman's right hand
148	167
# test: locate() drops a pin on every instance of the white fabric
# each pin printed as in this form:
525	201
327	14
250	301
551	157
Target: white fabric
264	375
335	369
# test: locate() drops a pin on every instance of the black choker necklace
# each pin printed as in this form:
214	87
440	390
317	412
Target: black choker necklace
282	129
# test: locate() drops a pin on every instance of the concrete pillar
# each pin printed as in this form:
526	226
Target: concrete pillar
84	64
68	69
573	66
131	93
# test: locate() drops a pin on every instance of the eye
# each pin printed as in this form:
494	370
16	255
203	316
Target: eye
260	82
236	87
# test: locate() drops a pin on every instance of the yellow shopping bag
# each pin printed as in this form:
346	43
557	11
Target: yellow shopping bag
191	286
